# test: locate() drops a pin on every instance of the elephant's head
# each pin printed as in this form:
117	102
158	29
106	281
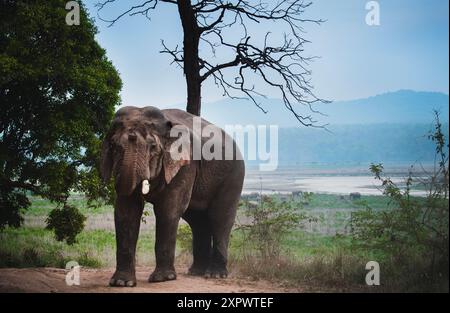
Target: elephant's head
137	149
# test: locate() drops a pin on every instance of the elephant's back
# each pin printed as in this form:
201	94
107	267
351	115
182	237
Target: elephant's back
184	118
187	119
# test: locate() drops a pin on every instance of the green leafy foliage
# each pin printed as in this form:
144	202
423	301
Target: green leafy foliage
58	93
411	227
67	223
184	238
10	198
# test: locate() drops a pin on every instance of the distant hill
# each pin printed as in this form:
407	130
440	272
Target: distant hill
351	145
404	107
389	128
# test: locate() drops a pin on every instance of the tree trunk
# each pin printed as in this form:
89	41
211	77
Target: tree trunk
194	86
191	42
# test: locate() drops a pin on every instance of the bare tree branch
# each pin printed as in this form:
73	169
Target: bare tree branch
141	9
175	53
278	60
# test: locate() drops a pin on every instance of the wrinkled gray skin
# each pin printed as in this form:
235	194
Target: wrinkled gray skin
204	193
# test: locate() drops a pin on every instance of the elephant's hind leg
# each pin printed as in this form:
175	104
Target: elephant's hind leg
201	241
221	216
127	218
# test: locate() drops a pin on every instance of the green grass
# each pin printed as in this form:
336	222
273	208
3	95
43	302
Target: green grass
36	247
330	263
41	207
312	261
329	201
306	260
299	244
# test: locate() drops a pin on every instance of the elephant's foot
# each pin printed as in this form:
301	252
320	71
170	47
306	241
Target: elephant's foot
162	275
216	272
195	270
123	279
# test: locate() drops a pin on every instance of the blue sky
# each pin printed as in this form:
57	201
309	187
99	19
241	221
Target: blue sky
409	50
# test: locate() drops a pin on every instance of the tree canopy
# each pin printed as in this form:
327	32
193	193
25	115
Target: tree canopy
58	93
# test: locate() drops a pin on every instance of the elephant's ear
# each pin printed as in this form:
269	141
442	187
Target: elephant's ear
177	151
106	160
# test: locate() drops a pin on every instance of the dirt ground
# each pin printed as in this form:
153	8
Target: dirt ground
96	280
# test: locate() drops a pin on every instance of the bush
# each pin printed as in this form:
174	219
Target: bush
67	223
269	221
412	234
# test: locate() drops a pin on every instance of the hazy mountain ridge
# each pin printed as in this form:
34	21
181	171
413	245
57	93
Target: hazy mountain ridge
387	128
404	106
356	145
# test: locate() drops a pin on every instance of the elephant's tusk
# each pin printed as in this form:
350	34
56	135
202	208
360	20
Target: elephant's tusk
145	187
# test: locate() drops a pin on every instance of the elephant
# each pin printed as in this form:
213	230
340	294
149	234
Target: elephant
205	192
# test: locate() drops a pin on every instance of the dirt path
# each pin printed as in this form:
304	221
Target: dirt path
96	280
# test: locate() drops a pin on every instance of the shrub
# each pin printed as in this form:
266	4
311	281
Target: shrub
269	221
67	223
412	230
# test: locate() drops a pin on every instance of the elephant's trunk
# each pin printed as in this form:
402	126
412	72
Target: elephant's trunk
133	168
127	178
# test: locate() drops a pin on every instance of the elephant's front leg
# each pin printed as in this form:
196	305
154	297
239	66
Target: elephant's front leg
169	208
127	219
166	232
